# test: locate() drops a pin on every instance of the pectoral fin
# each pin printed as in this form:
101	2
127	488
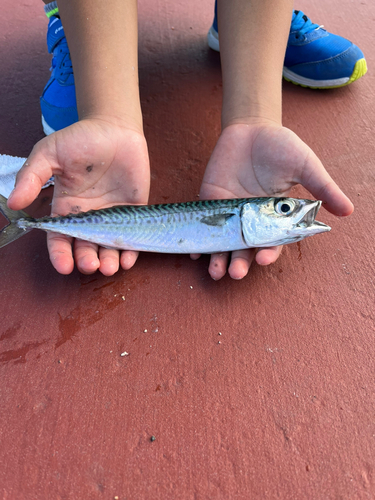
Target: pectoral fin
216	220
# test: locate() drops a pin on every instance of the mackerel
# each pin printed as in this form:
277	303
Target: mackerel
191	227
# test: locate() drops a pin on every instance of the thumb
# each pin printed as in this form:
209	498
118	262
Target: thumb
316	179
34	173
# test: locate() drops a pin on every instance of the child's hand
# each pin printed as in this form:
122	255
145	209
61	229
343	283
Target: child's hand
96	164
264	159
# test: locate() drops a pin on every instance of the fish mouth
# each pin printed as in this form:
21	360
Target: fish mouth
307	220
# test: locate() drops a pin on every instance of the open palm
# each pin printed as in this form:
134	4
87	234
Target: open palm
264	159
96	164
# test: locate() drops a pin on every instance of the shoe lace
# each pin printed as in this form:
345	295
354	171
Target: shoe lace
61	58
301	24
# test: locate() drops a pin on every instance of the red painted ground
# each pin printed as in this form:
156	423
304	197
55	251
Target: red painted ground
283	407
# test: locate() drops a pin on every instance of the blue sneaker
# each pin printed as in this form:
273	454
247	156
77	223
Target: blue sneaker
314	58
58	101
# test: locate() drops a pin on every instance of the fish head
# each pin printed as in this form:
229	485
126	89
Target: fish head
277	221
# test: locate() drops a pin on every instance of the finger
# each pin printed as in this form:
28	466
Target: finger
34	173
86	256
266	256
195	256
60	252
316	179
109	261
128	259
218	265
240	263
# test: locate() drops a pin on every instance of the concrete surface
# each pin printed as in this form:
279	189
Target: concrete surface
281	405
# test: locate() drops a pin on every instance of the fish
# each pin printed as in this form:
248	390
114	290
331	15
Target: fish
200	227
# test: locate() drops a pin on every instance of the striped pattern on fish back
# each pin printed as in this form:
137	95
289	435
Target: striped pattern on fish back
118	213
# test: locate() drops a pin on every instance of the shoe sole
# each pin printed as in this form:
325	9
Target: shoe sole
46	128
360	69
213	40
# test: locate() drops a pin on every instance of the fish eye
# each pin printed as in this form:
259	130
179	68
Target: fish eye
284	207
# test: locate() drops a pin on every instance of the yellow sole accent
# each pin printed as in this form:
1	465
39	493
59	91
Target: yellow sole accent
360	69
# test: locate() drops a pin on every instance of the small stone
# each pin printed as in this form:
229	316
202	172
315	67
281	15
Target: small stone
145	330
124	353
152	438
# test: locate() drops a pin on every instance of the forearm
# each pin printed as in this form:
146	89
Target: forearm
253	37
103	42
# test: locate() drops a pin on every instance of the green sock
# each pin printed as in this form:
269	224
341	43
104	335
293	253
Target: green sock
51	9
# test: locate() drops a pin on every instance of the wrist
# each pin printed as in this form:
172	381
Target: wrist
113	114
249	115
111	119
114	93
249	100
249	120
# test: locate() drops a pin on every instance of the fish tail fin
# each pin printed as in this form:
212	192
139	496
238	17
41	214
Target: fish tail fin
11	232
